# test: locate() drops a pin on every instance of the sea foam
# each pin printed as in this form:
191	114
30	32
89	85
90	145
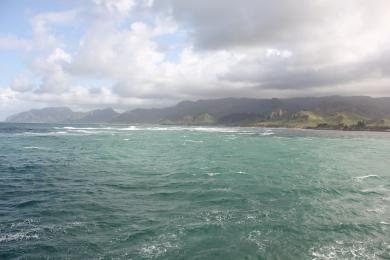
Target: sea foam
361	178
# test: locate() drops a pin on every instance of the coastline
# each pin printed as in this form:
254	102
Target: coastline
351	129
329	128
354	128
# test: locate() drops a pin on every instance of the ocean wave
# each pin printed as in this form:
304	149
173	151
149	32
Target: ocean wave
268	132
211	174
143	128
130	128
232	132
18	236
376	210
376	190
222	189
35	148
193	141
239	130
159	246
216	129
216	216
361	178
85	128
32	229
348	250
257	238
231	137
27	203
386	198
53	133
53	228
185	128
82	131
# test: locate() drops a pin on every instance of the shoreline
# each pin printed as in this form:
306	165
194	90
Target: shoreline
329	128
383	130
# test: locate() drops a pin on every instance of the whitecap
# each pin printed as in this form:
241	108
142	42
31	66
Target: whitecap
379	189
81	131
166	128
162	245
386	198
35	148
87	128
361	178
46	134
267	132
211	174
216	216
376	210
348	250
215	129
130	128
18	236
193	141
58	132
255	237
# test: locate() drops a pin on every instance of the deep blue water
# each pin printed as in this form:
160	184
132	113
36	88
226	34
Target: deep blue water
152	192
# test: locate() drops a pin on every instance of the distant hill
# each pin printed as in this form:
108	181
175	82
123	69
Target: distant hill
333	112
97	116
45	115
63	115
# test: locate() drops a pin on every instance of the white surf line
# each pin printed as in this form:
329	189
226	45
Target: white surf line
361	178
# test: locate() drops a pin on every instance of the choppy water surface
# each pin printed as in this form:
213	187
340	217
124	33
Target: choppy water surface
148	192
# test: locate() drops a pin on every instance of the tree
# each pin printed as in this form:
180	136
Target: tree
361	124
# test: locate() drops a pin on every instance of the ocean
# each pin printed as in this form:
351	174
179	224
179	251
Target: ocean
166	192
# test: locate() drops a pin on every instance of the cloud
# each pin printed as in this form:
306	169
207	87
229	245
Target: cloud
113	7
13	42
277	72
108	53
279	24
50	69
21	84
328	42
43	28
129	53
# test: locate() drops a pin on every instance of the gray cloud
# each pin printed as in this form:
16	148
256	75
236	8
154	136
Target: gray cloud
331	42
282	74
282	23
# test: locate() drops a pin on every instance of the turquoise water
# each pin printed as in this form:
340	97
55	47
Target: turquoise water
148	192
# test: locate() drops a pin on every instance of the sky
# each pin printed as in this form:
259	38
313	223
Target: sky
126	54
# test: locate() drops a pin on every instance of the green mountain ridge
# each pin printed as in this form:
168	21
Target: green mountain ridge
333	112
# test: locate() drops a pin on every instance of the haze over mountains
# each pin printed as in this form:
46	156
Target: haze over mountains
305	112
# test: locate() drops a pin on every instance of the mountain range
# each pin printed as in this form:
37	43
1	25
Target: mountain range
331	112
